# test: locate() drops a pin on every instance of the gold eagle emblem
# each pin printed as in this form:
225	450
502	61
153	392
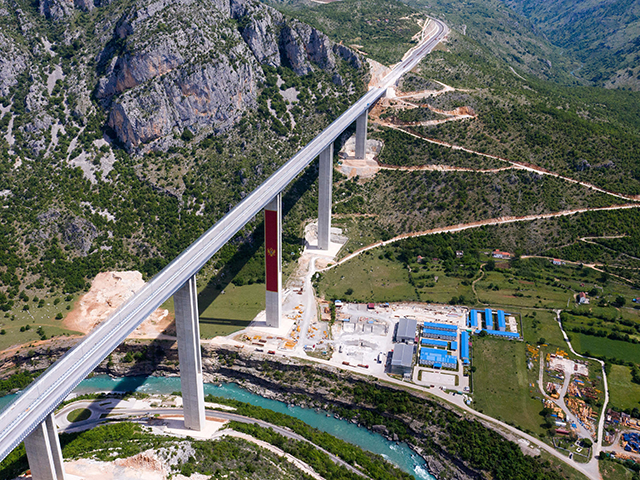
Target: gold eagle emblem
271	252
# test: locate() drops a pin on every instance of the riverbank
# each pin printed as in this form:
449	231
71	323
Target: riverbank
452	443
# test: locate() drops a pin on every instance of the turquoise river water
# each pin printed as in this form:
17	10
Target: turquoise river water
397	453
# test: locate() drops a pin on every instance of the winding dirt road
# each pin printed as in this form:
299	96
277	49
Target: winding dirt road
481	223
519	165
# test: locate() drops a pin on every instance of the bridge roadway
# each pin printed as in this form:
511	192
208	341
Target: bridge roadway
43	396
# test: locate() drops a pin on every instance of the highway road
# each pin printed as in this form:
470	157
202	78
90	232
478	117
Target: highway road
41	398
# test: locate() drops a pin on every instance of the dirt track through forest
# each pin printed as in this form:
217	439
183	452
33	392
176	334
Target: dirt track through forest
518	165
491	221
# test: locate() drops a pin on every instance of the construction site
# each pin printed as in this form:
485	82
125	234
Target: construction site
570	391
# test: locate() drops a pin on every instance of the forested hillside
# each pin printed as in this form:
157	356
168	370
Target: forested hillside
601	35
129	128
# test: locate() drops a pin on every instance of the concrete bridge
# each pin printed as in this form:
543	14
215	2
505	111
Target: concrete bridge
30	417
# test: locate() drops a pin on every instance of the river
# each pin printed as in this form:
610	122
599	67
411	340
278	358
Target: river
397	453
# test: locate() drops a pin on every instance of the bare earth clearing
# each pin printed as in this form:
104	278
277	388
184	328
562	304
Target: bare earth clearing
108	291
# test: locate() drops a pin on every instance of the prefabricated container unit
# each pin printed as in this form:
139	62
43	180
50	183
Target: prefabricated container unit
440	326
502	324
434	356
473	319
434	343
464	347
497	333
488	319
439	334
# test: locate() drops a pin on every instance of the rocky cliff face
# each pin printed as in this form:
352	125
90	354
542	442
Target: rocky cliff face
14	58
156	67
12	63
176	65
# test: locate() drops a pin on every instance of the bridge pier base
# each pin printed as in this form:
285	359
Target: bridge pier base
43	451
189	354
325	181
361	135
273	260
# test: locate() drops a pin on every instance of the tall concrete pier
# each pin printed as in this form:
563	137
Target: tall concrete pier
188	333
43	451
361	135
273	260
325	181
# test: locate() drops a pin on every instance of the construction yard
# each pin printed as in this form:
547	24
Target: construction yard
569	386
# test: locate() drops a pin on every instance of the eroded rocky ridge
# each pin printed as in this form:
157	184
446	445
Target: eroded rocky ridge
159	67
188	64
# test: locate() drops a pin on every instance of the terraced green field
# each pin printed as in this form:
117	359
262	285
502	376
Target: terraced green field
624	393
602	346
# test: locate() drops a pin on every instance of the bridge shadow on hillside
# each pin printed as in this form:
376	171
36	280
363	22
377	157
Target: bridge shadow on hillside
248	249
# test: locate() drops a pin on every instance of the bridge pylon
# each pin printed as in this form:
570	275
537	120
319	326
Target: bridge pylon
325	181
189	354
43	451
361	135
273	260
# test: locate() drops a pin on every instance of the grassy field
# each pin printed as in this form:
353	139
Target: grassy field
376	277
542	324
624	393
228	312
370	279
36	316
503	288
539	283
567	472
605	347
501	385
79	415
614	471
434	286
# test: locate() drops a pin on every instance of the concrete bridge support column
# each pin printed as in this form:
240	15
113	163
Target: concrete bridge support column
273	260
361	135
188	333
43	451
325	181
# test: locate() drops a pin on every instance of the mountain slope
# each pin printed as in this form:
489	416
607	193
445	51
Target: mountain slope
605	36
129	128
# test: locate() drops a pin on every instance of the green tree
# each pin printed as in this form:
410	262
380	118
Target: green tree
619	301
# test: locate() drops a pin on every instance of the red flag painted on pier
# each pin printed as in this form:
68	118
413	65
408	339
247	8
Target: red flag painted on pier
271	235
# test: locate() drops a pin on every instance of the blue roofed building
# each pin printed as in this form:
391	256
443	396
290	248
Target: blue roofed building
437	358
464	347
430	342
440	326
448	335
473	319
502	324
488	319
509	335
454	346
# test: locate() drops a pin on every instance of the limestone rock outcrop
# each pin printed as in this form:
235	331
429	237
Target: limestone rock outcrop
188	64
13	62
